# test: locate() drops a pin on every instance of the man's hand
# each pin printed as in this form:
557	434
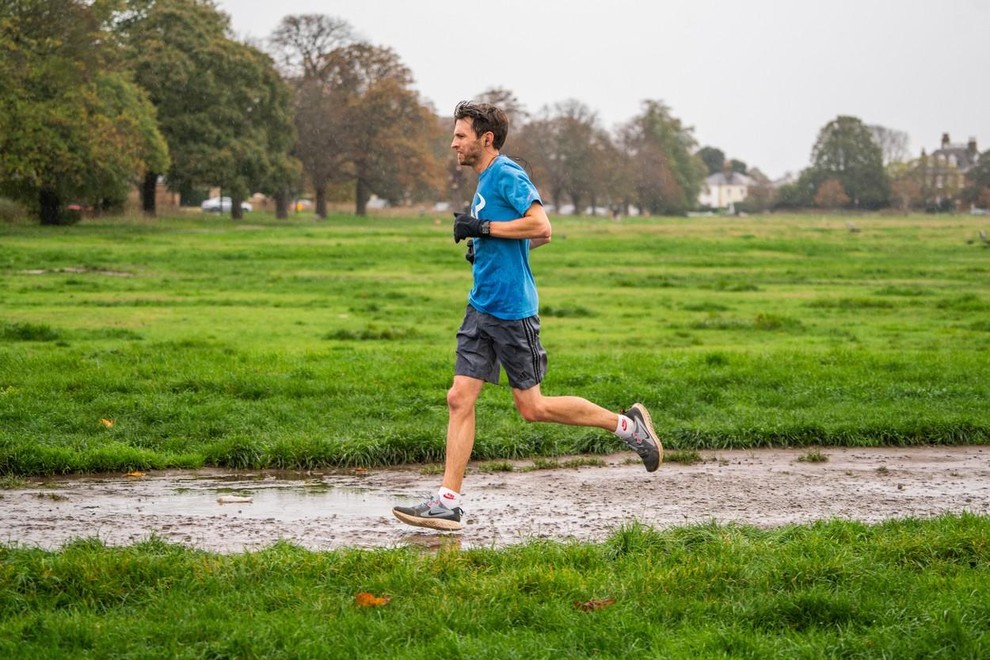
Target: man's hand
466	226
470	251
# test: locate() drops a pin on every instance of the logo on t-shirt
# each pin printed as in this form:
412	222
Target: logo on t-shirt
479	206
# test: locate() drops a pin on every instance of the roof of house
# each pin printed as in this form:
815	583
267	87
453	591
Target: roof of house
733	179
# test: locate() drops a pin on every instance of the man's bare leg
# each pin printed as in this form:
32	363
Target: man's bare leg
573	410
461	398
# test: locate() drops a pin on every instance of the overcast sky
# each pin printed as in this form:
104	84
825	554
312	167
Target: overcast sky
757	79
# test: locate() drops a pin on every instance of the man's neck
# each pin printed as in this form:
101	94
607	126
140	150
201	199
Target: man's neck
491	159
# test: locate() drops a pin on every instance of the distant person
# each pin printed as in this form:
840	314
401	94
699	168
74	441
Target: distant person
501	328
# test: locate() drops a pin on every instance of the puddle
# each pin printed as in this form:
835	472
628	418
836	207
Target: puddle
332	510
281	502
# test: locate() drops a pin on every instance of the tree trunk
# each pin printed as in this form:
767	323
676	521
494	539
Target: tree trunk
321	202
281	205
362	195
236	212
51	207
149	190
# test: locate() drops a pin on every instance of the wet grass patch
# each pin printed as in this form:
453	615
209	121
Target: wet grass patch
29	332
371	333
763	322
850	303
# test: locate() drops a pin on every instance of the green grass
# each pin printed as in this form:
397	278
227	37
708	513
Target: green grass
901	589
814	456
688	457
307	344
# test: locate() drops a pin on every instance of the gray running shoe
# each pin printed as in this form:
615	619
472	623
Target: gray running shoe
432	513
644	441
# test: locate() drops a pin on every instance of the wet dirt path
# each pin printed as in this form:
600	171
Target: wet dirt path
352	509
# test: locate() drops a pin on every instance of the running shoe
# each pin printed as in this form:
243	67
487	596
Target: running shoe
432	513
644	440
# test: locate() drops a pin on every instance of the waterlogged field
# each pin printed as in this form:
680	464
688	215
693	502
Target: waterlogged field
188	342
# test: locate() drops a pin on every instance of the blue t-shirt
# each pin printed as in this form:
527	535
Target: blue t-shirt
503	283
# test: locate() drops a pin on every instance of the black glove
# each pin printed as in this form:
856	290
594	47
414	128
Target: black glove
466	226
470	251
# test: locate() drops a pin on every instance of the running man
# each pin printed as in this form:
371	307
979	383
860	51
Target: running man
501	328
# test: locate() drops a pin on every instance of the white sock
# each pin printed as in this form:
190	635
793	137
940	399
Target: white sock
450	499
624	429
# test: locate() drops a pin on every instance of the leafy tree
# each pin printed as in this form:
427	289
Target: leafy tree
761	194
249	152
381	127
906	185
845	150
738	166
713	158
169	45
799	194
614	171
831	195
71	128
222	106
563	145
668	177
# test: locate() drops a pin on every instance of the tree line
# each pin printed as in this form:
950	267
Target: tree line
100	96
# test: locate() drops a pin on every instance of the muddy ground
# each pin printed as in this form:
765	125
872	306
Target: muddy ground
353	508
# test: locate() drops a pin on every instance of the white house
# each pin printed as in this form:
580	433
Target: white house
723	190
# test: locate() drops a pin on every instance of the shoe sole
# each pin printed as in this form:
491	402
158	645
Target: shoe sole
649	425
429	523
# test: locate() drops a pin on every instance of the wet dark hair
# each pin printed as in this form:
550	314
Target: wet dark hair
484	117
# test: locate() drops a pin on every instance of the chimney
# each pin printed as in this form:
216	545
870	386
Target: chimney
971	147
945	140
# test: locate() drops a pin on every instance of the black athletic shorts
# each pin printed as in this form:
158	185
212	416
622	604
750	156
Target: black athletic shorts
484	343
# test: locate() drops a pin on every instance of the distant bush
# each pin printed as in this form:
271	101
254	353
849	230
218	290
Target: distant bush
11	210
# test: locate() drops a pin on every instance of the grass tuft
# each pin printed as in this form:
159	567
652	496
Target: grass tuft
814	456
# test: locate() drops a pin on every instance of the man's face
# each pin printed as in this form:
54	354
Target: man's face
468	145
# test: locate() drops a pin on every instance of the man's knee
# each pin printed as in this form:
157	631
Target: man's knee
460	398
531	411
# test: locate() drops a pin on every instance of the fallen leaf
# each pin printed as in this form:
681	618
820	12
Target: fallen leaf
364	599
591	605
107	422
134	474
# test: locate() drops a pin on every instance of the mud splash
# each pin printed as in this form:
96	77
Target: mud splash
352	509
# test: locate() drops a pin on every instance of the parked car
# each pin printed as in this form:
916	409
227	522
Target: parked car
218	205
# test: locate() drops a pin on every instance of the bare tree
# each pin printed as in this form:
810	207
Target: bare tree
510	105
301	43
301	46
893	144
